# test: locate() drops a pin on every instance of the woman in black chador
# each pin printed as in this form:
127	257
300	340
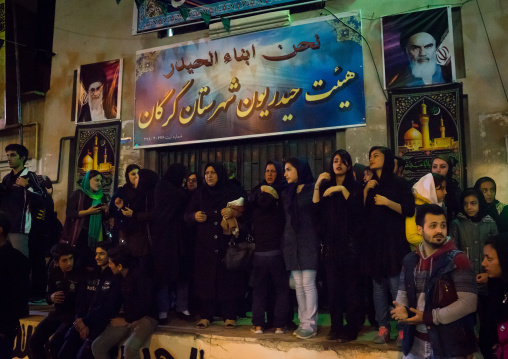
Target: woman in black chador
214	285
170	250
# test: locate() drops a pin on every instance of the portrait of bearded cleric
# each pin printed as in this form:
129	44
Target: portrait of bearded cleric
418	48
98	93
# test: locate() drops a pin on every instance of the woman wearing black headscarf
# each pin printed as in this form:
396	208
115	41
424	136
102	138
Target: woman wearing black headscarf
137	232
388	201
121	199
340	201
301	243
497	210
443	165
267	225
495	326
472	226
169	248
213	284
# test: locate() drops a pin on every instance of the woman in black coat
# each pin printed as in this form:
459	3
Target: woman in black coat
340	200
213	284
301	243
269	272
122	198
169	248
388	201
136	233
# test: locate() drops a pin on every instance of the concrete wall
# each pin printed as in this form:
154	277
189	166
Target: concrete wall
98	30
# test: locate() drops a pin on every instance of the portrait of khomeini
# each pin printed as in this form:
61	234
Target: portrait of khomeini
418	48
98	93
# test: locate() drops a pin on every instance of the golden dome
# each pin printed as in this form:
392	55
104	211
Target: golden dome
412	134
87	160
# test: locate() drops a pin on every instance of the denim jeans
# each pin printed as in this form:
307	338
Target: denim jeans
135	334
307	297
380	290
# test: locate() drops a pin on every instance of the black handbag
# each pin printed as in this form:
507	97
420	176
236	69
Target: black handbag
239	254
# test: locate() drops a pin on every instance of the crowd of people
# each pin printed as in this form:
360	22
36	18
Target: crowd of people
429	256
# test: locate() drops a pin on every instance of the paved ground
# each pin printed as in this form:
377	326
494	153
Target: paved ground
269	338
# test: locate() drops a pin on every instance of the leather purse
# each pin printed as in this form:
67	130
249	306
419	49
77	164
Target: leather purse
239	254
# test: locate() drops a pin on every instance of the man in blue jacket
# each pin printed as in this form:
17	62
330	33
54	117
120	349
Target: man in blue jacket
437	294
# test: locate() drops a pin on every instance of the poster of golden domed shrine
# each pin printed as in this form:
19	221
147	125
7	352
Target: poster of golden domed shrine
425	123
97	148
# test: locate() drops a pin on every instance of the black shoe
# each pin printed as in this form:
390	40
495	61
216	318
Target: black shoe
291	326
185	317
333	335
347	336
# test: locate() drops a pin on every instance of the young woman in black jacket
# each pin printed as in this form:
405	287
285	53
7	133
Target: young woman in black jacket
340	201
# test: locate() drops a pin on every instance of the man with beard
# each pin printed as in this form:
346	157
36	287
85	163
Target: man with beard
437	294
421	35
96	107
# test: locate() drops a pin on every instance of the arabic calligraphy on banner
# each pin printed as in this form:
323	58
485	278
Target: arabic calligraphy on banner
151	17
305	77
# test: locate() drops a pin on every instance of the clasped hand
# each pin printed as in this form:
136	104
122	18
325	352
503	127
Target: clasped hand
399	313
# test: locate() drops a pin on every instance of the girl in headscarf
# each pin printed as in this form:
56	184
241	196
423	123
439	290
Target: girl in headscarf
340	201
431	188
443	165
122	198
497	210
269	272
388	201
470	230
87	206
214	285
301	243
472	226
170	248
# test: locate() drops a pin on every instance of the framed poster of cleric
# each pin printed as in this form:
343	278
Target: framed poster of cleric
97	148
300	78
427	123
418	48
98	93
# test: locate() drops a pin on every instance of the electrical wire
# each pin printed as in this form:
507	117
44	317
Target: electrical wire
492	50
370	50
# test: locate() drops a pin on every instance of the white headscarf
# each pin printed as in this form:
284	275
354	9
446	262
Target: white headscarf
426	188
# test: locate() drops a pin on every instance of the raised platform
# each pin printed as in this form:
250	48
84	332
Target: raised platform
181	340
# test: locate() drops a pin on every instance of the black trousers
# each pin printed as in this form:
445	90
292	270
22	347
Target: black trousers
345	296
50	326
270	274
